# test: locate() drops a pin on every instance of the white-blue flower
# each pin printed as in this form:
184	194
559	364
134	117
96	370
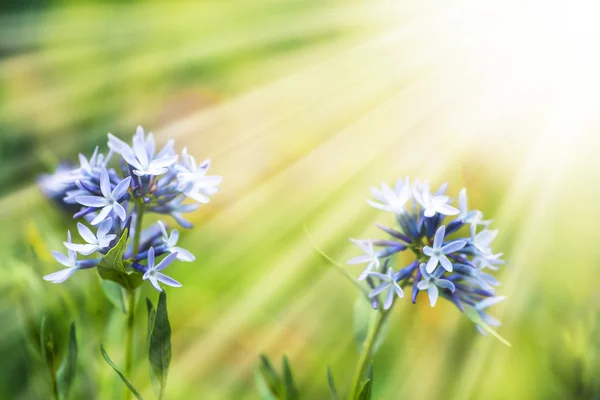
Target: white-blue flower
370	257
438	252
387	282
69	261
109	201
488	319
431	283
97	242
141	156
192	179
490	261
433	204
392	200
170	243
152	272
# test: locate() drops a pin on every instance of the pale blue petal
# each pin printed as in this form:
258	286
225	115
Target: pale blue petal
61	258
433	293
446	264
165	262
167	280
120	211
446	284
428	251
140	150
86	233
105	183
91	201
102	215
60	276
431	264
183	254
438	240
104	228
454	246
490	301
389	299
150	258
378	290
154	283
164	162
83	249
120	190
422	285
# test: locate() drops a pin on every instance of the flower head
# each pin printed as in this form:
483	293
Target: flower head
115	200
451	259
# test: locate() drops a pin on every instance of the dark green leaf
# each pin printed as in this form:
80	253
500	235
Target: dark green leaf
269	375
290	390
474	316
123	377
159	351
264	391
151	316
365	391
334	395
115	293
68	369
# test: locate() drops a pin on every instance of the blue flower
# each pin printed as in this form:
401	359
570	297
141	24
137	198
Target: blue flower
483	240
152	272
141	157
431	283
175	208
392	200
97	242
370	257
192	179
388	281
438	252
170	243
109	201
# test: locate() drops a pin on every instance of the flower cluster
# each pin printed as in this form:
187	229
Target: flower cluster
451	258
112	202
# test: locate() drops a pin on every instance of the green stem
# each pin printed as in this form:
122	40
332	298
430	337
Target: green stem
376	324
131	302
54	385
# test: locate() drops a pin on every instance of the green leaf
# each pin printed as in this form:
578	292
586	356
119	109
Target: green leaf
114	258
290	391
159	351
365	391
68	369
474	316
151	316
364	317
270	376
334	395
123	378
115	293
264	391
113	268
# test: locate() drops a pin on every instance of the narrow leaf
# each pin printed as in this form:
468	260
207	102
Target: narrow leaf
290	390
123	378
68	369
334	395
365	391
159	351
476	318
264	391
115	293
270	376
151	316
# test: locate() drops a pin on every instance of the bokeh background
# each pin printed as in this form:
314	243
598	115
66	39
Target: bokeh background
302	106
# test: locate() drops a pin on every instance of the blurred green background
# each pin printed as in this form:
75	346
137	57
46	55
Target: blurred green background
302	106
